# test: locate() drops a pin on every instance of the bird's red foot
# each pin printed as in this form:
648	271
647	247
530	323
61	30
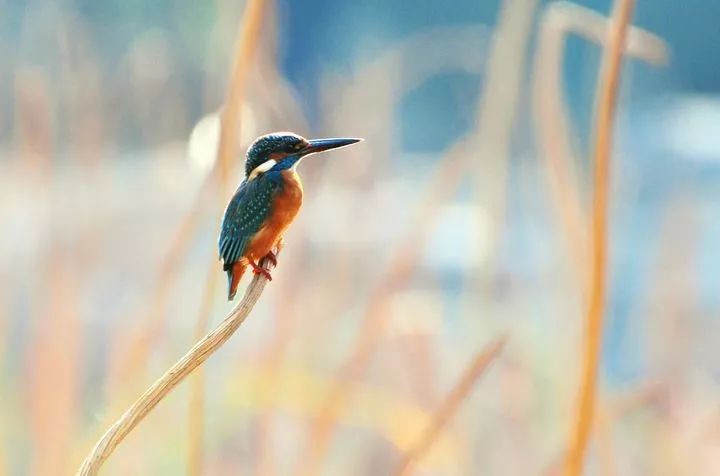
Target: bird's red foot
272	257
260	270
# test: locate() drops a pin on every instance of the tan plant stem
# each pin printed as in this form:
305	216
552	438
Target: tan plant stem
607	98
182	368
552	124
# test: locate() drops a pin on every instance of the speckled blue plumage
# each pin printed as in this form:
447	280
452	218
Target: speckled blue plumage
248	209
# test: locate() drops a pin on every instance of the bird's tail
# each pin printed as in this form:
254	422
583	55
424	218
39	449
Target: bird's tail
234	274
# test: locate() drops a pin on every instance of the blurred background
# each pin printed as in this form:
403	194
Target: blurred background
462	217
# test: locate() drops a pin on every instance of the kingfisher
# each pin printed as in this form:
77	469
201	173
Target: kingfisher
266	202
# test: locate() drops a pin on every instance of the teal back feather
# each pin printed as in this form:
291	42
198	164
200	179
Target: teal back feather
245	215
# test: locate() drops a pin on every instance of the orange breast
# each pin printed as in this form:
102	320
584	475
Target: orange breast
283	211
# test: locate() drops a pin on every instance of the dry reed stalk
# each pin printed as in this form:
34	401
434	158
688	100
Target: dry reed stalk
607	98
450	405
33	121
278	96
245	45
554	136
567	17
53	355
553	132
80	90
200	352
129	361
551	116
420	356
53	369
498	109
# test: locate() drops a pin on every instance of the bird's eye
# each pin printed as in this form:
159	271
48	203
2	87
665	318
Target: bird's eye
298	146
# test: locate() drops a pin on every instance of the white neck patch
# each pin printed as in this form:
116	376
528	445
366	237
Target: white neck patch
262	168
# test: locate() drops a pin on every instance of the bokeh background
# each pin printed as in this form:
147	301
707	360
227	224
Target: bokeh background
462	217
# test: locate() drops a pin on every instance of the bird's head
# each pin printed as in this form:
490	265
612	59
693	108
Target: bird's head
284	150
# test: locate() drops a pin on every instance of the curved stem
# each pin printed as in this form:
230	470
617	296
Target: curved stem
182	368
607	98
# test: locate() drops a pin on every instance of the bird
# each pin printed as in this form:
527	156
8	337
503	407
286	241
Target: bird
266	202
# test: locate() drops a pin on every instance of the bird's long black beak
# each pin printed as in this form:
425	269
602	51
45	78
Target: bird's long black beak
321	145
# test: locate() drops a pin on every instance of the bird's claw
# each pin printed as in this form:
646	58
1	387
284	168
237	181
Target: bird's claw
272	258
264	272
260	270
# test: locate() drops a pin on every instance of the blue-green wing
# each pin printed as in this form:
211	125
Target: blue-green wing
244	216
